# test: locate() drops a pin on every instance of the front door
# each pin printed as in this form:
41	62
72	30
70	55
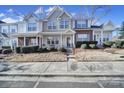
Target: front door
68	42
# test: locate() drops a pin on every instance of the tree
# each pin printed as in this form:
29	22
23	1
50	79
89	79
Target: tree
95	13
122	31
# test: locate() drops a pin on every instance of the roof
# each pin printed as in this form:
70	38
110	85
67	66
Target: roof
4	35
54	8
96	26
1	22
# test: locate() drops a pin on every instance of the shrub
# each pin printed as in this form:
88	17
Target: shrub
114	46
0	51
84	46
6	47
7	51
18	49
62	49
119	44
30	49
108	44
53	50
79	43
93	46
43	50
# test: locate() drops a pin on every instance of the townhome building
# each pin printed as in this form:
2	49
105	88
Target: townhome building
57	29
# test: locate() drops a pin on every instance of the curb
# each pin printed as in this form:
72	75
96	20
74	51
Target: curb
67	75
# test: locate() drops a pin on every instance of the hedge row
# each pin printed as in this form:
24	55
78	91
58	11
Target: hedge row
79	43
115	44
36	49
5	51
90	46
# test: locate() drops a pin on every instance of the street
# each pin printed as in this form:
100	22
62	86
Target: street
60	82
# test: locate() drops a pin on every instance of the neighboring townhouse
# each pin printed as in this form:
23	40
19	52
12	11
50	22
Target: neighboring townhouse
6	29
103	32
83	30
57	29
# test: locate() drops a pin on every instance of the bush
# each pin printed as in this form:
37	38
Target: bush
6	47
7	51
30	49
119	44
53	50
62	49
79	43
108	44
18	49
0	51
84	46
43	50
93	46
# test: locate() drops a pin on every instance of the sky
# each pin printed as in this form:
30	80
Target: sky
8	14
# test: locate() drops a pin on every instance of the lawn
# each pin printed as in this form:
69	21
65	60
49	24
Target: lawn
37	57
109	54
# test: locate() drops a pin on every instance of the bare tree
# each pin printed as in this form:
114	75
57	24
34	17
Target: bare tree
95	12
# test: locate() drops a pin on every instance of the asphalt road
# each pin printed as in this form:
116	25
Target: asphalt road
32	84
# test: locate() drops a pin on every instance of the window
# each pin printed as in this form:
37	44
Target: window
33	41
13	30
64	24
52	25
32	27
4	30
83	37
52	40
81	24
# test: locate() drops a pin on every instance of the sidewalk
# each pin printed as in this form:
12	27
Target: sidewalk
60	69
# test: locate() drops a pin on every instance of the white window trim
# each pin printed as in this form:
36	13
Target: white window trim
64	21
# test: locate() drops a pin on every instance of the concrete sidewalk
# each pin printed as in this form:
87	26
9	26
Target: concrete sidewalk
61	69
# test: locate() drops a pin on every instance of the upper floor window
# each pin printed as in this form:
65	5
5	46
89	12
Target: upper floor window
4	31
83	37
52	25
13	30
81	24
32	27
64	24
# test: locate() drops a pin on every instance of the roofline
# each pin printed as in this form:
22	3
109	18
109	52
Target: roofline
54	8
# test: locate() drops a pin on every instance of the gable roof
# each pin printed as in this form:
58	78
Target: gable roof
109	23
54	8
65	13
30	15
1	22
3	35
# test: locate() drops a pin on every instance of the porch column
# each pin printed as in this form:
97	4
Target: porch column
24	41
61	41
73	40
40	41
36	40
101	36
93	35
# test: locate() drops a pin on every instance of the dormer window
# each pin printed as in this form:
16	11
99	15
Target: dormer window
64	24
51	25
81	24
32	27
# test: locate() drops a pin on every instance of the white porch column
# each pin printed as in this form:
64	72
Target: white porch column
36	40
73	40
40	41
61	41
24	41
101	37
93	36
